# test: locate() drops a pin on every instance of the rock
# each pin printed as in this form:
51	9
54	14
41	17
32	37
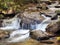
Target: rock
53	28
31	17
4	34
55	17
40	35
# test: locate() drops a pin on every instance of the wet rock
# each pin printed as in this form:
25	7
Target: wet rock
4	34
31	17
39	35
54	28
55	17
8	15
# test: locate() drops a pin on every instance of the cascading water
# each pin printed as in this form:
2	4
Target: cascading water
20	34
43	24
17	34
39	26
11	24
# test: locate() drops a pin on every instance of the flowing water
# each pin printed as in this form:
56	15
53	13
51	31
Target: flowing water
19	33
43	24
11	24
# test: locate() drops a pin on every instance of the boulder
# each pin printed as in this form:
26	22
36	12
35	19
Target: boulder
54	28
31	17
4	34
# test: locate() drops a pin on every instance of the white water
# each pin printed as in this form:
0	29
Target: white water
42	26
11	24
18	35
19	39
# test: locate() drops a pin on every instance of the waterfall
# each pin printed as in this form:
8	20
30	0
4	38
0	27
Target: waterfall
33	26
42	25
11	24
20	34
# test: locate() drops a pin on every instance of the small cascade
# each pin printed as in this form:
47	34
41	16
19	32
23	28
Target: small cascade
21	32
43	24
37	26
18	35
11	24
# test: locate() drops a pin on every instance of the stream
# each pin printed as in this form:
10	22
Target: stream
20	33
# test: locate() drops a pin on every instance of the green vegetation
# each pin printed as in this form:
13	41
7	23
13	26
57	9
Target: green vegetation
15	4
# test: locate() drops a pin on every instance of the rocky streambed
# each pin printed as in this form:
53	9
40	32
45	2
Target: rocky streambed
29	22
